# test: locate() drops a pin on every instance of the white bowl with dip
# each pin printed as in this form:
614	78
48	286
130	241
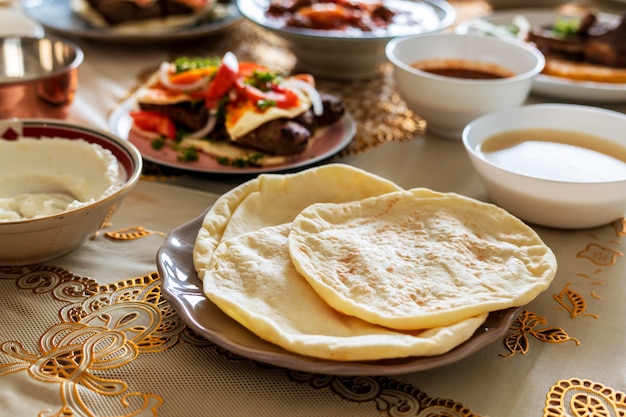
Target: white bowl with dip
449	103
555	165
59	182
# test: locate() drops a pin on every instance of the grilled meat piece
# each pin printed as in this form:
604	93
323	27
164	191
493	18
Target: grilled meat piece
595	42
308	120
333	110
120	11
608	48
188	115
278	137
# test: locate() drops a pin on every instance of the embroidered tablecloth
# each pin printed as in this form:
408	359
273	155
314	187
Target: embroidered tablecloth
89	334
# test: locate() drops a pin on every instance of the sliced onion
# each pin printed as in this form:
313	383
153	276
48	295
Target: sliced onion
309	90
231	61
524	26
208	128
164	71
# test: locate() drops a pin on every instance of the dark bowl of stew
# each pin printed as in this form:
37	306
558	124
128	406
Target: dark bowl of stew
339	40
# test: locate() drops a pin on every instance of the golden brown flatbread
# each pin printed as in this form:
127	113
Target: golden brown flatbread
252	279
419	259
273	199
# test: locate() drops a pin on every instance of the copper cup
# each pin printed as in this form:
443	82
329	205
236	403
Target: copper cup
38	77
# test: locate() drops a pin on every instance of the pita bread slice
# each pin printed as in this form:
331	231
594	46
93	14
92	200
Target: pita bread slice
416	259
252	279
273	199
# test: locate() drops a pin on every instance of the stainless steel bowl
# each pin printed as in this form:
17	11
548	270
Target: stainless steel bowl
38	76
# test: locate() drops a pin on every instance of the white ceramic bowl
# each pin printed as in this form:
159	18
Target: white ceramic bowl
346	56
552	203
449	103
38	239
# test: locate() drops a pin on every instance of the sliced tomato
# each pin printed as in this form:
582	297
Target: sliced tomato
278	96
224	79
154	122
247	69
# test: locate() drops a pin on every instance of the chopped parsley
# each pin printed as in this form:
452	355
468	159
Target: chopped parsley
158	143
252	160
566	27
264	104
188	155
186	64
264	80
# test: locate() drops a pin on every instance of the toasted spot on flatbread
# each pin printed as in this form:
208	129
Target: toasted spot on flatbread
419	259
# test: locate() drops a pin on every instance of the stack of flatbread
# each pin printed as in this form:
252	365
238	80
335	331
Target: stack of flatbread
337	263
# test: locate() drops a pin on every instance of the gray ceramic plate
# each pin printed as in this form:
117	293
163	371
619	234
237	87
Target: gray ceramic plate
182	288
57	15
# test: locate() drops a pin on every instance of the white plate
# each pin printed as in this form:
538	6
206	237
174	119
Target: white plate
582	91
329	142
181	286
57	15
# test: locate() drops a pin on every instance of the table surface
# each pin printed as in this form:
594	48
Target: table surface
89	334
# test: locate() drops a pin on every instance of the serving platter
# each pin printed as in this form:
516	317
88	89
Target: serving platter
328	142
183	289
433	15
58	16
551	86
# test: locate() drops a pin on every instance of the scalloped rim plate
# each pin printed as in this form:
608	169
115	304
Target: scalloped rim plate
547	85
57	15
183	289
329	142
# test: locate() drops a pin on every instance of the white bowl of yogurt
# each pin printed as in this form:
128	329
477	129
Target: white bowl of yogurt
555	165
58	183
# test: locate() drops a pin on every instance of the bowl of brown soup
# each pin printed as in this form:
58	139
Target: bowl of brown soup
554	165
451	79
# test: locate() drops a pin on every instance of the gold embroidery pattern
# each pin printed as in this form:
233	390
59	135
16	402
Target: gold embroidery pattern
105	327
131	233
526	325
102	329
40	279
392	397
572	302
599	254
568	300
620	227
581	397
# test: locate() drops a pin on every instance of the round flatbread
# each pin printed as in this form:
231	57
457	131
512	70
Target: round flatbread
412	259
273	199
252	279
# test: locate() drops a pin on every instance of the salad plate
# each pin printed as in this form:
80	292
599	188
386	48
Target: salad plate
328	142
547	85
183	289
58	16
